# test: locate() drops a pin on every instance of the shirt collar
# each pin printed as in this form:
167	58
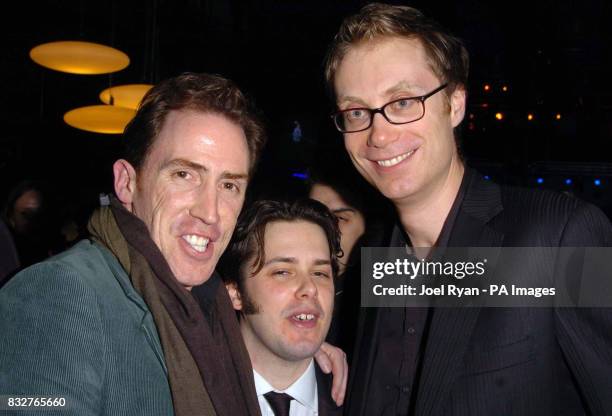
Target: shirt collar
303	390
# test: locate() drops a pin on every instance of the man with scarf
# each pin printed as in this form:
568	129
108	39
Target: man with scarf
110	326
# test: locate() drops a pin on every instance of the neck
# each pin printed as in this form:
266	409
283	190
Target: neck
277	371
423	217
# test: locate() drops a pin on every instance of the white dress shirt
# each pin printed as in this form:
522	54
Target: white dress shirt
304	392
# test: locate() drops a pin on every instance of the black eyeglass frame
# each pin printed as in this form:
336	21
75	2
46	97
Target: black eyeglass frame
381	110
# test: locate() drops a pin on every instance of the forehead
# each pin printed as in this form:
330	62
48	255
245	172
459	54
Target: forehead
28	198
299	239
381	66
327	196
201	137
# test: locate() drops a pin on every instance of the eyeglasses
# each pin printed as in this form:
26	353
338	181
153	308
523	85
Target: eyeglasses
401	111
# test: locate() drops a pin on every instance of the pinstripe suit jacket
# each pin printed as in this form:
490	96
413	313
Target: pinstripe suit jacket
74	327
505	361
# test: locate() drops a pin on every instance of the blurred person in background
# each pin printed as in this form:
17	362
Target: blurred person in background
9	261
29	215
362	215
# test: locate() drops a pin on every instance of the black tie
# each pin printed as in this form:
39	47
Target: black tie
279	402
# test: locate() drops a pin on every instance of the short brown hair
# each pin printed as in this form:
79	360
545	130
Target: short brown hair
200	92
447	55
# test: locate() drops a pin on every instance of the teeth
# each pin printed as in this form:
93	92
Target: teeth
304	317
392	162
198	243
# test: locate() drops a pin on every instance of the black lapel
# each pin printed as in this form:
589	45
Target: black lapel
451	328
363	360
327	406
366	343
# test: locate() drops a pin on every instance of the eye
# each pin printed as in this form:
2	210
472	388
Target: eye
402	104
355	114
342	218
182	174
281	272
323	274
231	186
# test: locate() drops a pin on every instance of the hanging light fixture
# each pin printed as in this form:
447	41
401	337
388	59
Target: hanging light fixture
77	57
106	119
129	95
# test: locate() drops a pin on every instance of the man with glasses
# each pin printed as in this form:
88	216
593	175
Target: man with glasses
399	83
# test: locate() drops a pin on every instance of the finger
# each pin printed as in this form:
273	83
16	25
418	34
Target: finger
323	360
340	400
340	379
339	388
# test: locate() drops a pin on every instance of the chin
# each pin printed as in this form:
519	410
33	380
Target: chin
195	280
301	350
398	191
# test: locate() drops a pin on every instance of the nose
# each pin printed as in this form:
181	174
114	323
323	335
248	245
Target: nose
206	204
381	132
307	288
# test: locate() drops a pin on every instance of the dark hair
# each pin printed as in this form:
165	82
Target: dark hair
17	191
247	243
447	55
200	92
333	168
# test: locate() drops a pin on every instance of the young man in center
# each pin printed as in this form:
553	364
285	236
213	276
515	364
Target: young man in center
280	270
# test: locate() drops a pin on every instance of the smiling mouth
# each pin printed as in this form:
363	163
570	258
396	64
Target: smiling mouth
197	242
303	317
394	161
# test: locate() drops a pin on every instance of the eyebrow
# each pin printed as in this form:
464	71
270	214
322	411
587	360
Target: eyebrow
339	210
178	163
293	260
235	176
402	85
281	260
353	100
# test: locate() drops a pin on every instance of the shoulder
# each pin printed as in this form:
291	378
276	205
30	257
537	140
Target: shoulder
83	264
68	278
553	217
77	281
538	203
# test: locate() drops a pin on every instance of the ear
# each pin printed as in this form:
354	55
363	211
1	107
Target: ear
234	295
457	105
125	182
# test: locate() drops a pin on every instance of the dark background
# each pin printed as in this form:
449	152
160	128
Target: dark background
554	57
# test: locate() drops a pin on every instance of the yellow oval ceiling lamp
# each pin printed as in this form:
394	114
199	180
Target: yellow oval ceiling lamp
128	96
77	57
105	119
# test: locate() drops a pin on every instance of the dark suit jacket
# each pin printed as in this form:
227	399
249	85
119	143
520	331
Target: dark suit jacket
508	361
327	406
